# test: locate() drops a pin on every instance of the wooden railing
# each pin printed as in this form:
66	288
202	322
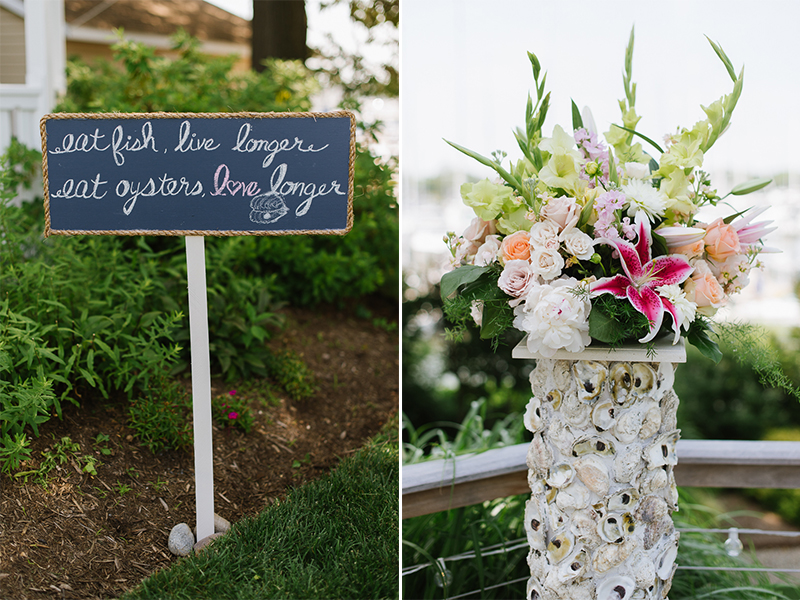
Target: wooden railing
439	485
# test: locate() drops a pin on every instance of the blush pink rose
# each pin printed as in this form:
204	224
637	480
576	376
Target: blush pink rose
516	246
721	241
516	280
478	230
563	211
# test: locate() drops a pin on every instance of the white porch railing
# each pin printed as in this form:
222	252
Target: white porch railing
439	485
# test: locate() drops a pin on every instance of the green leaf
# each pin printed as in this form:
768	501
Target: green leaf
699	338
729	219
612	167
458	277
750	186
492	321
577	121
644	137
603	328
586	213
724	58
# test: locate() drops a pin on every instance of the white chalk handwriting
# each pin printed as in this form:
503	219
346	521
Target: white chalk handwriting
273	147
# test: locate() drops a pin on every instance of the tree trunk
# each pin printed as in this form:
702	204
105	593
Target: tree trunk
279	31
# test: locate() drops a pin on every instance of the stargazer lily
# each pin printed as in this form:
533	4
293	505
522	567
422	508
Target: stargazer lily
643	274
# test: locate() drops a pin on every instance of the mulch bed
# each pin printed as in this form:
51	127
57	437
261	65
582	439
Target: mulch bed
96	537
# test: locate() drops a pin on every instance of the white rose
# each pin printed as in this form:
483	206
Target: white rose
516	280
554	318
487	253
547	263
637	170
579	244
544	235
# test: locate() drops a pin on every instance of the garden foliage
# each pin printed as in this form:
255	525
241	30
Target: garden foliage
106	315
487	545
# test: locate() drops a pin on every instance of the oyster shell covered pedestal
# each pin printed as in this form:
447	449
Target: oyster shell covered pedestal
601	475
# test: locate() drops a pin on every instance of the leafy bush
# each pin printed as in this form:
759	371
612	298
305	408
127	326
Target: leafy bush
192	82
726	401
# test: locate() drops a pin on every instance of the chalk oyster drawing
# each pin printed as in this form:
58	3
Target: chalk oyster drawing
268	208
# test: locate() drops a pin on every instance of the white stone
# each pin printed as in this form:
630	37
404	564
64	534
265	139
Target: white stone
181	540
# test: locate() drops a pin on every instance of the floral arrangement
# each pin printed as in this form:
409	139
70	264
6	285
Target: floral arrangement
585	239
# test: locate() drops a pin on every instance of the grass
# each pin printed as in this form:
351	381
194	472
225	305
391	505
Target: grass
335	537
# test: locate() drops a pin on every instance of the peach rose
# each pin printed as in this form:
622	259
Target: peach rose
721	241
516	246
704	290
690	250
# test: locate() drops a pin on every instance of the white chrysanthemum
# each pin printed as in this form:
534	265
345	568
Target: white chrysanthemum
641	196
684	307
554	318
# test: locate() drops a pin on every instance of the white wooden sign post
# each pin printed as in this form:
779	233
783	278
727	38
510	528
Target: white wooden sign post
198	175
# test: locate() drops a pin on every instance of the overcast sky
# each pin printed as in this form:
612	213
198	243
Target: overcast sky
465	74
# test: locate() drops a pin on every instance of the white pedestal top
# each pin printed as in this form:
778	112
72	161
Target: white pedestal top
664	351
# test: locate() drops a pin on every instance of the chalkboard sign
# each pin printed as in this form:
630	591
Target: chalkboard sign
198	174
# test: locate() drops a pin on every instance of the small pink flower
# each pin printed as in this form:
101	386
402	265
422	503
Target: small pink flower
232	415
232	393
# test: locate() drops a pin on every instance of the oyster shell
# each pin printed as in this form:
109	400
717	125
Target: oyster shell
651	421
626	464
645	573
593	445
533	590
533	415
669	410
574	567
576	413
665	562
603	415
653	480
623	500
621	382
539	456
584	525
616	588
662	451
593	472
575	496
560	434
534	525
590	376
561	374
554	397
560	547
629	424
537	562
644	379
608	556
610	529
561	475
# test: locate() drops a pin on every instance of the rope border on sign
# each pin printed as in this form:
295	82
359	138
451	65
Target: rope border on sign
48	231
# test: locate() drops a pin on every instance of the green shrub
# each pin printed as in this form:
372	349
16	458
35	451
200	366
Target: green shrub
192	82
726	401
